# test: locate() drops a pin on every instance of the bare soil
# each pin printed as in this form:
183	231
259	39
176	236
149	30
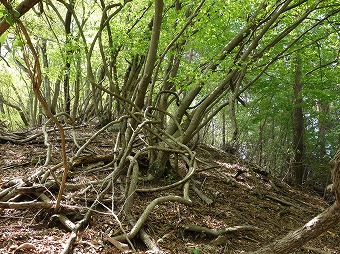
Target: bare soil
242	194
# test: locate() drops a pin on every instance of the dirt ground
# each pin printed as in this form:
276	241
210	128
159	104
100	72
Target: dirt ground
240	195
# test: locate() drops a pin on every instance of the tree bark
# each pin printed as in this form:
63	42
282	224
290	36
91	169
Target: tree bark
298	126
152	55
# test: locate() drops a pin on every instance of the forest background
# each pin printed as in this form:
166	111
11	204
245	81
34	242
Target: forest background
257	79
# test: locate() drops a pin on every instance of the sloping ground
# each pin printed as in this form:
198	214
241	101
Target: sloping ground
241	195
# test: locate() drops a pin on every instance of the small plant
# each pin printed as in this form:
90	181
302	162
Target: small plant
195	250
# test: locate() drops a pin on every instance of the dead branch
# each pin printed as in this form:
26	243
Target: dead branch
25	246
217	232
83	222
149	242
202	196
81	149
84	160
6	193
26	205
281	201
12	191
36	189
120	246
64	221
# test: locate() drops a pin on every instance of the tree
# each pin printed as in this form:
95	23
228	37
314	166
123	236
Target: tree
298	126
163	71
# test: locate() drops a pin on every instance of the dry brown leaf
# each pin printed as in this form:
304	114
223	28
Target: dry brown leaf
25	246
120	246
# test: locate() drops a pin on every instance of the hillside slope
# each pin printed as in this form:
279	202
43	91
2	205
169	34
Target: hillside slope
240	208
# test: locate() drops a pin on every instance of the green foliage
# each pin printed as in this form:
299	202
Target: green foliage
9	16
195	250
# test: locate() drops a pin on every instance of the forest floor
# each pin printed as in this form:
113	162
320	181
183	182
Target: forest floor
241	195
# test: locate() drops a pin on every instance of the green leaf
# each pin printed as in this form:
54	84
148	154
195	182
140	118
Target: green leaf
16	13
17	42
3	38
9	20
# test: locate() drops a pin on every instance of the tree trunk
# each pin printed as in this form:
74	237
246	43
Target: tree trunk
54	102
315	227
298	126
67	97
224	143
76	90
46	83
233	121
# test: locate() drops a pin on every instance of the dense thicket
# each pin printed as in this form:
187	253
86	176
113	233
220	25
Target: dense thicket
208	71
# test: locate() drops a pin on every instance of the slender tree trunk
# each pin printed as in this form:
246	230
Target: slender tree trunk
224	145
46	83
212	126
2	110
54	102
233	121
298	126
77	89
260	142
34	110
67	97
